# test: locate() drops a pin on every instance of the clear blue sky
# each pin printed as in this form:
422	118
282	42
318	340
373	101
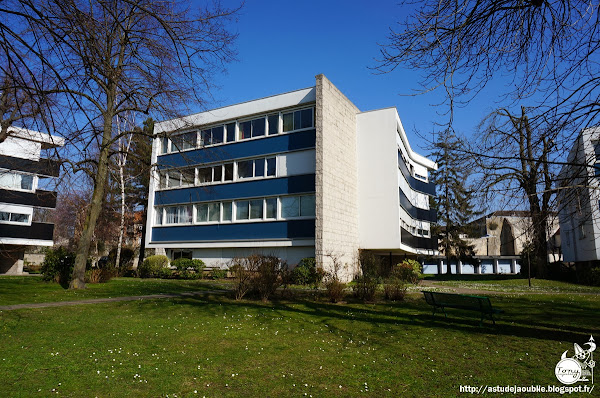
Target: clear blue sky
283	45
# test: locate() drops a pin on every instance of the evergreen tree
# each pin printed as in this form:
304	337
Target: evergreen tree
454	201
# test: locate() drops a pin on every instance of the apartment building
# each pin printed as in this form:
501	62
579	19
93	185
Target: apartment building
22	202
299	174
579	200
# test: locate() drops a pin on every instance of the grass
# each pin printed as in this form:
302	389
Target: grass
511	284
32	289
214	346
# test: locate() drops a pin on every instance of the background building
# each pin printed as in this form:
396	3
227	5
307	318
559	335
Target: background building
300	174
22	203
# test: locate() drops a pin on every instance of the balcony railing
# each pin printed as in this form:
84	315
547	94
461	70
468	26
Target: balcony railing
43	167
418	242
39	198
415	212
38	231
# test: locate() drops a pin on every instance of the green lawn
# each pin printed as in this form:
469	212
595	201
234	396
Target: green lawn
32	289
214	346
509	283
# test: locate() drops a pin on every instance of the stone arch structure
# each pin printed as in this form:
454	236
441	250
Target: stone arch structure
507	239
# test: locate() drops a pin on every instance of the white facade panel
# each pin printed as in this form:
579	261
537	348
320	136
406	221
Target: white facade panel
296	163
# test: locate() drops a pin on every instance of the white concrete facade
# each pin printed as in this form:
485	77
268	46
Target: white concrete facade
579	199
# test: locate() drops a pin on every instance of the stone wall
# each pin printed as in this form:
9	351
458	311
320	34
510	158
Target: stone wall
336	180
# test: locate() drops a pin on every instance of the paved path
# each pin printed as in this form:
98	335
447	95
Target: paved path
109	300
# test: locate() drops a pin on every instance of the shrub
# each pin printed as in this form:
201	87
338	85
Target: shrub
335	290
394	289
267	278
365	287
595	276
408	271
125	260
153	266
188	268
370	264
164	273
99	275
218	273
307	273
58	266
242	270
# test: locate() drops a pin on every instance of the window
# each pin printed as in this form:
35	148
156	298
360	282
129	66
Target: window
242	210
179	215
164	142
212	136
12	180
14	217
205	175
271	207
228	172
298	120
271	167
273	121
183	141
227	211
245	169
259	168
208	212
252	128
298	206
159	216
256	209
230	132
177	178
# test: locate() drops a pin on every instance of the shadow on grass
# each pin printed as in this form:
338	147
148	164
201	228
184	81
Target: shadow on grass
473	277
557	321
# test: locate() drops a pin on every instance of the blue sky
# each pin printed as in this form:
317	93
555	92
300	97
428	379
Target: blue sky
283	45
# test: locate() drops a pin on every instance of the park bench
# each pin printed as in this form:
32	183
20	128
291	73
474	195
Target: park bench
461	301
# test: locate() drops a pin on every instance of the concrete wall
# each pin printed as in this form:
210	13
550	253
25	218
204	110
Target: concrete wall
336	180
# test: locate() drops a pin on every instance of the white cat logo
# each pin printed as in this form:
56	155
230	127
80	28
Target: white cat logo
578	367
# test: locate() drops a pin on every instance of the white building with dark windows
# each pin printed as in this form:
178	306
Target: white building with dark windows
299	174
22	170
579	200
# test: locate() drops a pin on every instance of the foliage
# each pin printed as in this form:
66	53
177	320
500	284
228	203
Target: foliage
127	254
394	288
335	289
307	273
153	266
267	278
595	276
365	287
454	200
189	268
242	269
99	275
408	271
58	266
371	265
218	273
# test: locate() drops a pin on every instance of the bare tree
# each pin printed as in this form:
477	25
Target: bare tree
118	56
548	47
517	161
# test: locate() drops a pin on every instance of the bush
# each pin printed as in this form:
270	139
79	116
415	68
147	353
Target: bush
267	278
365	287
595	276
153	267
58	266
242	270
408	271
307	273
394	289
99	275
188	268
371	264
218	273
335	289
125	260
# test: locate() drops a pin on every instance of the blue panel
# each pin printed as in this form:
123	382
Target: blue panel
417	185
237	190
290	229
241	149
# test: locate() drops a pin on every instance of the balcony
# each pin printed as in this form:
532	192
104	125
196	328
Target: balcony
43	167
415	212
418	185
40	198
38	231
418	242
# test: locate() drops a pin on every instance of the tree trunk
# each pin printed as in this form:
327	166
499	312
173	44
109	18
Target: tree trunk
122	229
143	240
83	248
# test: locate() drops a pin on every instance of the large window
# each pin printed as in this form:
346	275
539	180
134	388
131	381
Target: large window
12	180
176	178
179	215
298	206
252	128
14	217
213	136
256	168
182	142
297	120
208	212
